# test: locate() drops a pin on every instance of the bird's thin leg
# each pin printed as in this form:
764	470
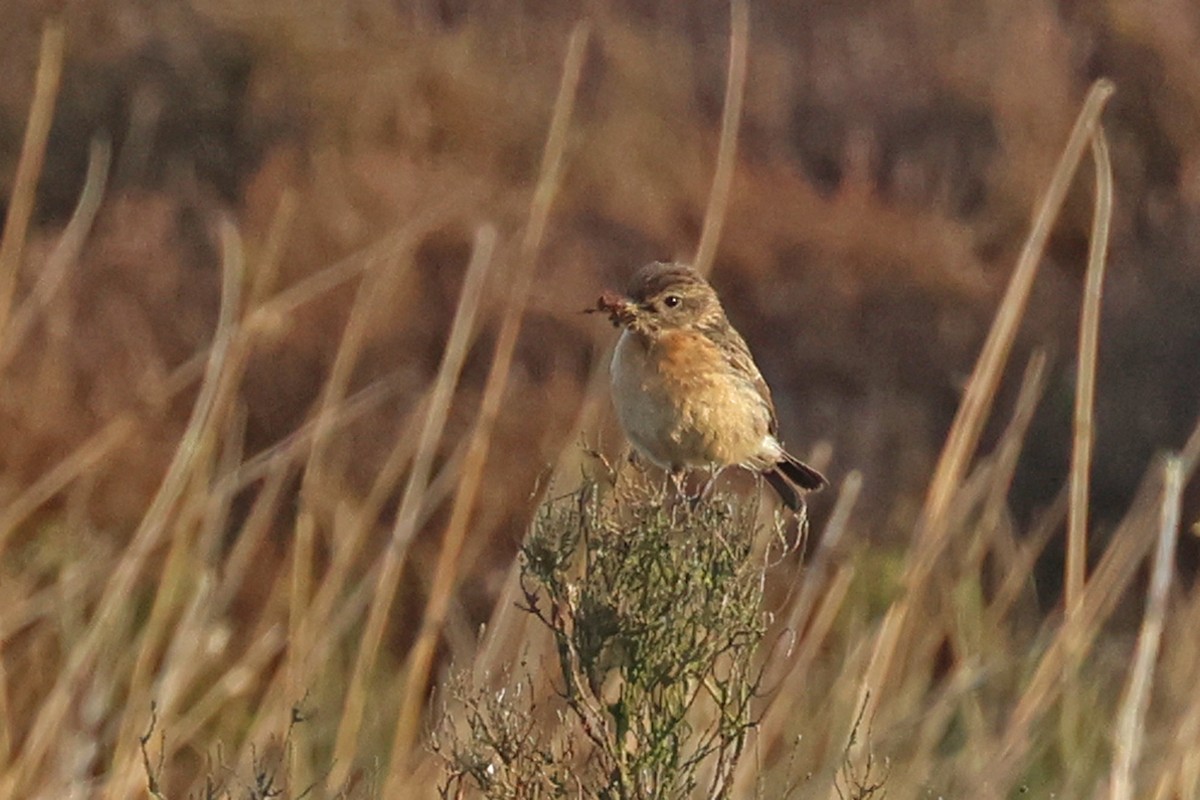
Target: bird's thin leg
706	490
678	477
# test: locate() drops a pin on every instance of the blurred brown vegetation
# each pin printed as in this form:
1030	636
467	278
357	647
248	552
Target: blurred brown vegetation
890	154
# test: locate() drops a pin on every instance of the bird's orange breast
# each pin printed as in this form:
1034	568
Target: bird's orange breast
679	402
687	359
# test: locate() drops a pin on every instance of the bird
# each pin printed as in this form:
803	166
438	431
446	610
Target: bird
685	387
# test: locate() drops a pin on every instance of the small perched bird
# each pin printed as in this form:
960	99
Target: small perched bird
686	389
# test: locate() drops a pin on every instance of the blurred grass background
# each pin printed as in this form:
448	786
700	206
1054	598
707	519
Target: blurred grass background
889	159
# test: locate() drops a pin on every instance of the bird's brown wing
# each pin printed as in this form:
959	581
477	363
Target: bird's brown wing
737	354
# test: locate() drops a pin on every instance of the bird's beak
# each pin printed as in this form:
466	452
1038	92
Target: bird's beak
620	309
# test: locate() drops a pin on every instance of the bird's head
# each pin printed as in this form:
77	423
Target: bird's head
663	297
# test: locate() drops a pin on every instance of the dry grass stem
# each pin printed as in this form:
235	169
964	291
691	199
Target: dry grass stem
1085	387
29	164
88	455
266	265
65	254
1130	728
270	314
821	563
731	119
1008	451
194	445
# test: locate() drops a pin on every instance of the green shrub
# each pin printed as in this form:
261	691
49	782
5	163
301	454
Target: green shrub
656	611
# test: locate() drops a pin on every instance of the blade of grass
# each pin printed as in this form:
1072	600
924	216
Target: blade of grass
1179	766
352	534
295	445
87	455
810	616
266	266
6	721
818	569
375	285
1008	452
1075	569
270	317
976	516
778	719
505	631
66	251
1189	457
155	635
1019	573
1085	387
29	164
239	561
1131	720
232	683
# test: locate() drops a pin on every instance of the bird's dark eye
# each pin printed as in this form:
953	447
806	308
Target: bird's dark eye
671	300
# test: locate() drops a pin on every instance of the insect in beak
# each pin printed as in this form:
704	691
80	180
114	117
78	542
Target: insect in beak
618	307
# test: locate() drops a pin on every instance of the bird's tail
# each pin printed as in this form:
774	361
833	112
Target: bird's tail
801	474
787	492
791	473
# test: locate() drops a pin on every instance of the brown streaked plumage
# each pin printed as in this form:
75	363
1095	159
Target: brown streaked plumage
686	389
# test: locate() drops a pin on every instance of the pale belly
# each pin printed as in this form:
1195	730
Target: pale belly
678	415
